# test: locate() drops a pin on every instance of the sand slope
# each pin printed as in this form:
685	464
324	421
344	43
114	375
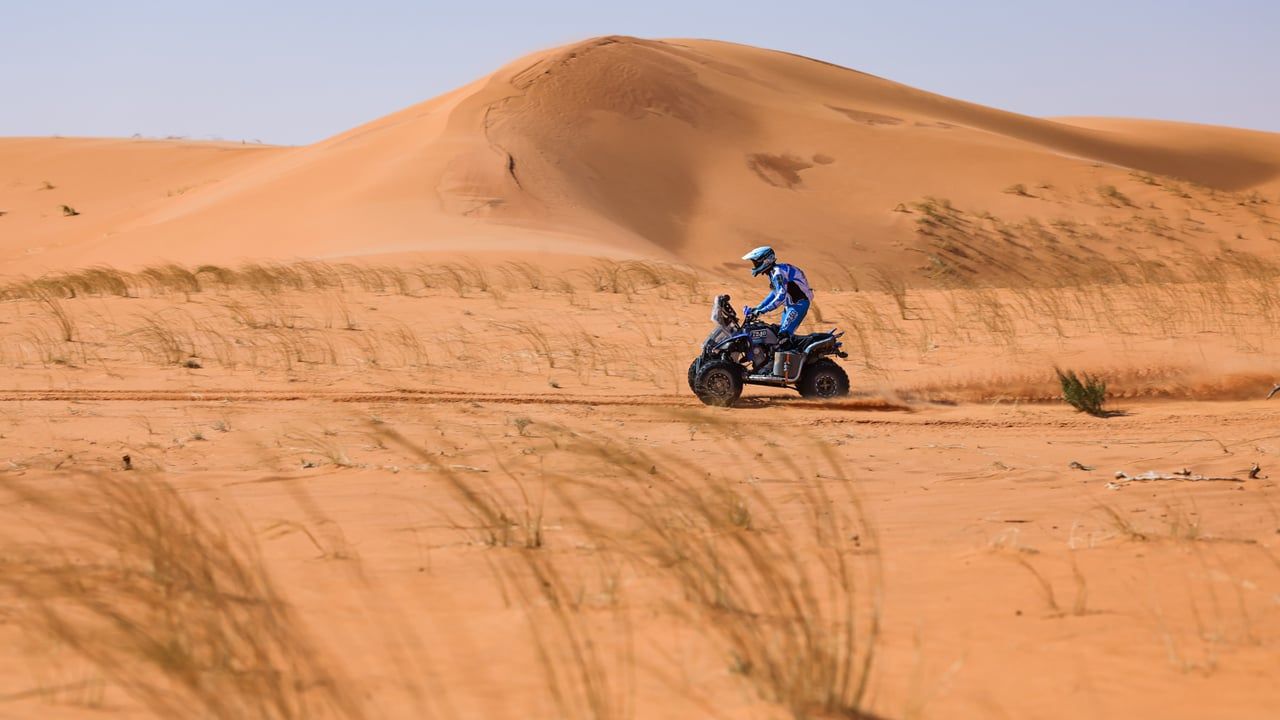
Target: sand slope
676	150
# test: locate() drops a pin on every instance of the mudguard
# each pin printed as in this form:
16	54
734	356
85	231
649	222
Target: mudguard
723	343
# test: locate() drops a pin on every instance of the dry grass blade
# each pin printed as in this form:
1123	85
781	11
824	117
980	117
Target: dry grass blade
784	597
157	338
171	277
781	597
587	674
1122	524
51	305
170	605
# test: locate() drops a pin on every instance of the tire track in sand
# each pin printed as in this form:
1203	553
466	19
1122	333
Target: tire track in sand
423	397
336	396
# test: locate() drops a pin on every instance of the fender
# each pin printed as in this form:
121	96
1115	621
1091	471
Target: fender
821	344
740	336
827	346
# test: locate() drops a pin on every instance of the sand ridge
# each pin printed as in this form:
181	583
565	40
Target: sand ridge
678	150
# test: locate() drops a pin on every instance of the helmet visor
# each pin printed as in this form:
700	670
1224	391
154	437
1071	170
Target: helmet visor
762	258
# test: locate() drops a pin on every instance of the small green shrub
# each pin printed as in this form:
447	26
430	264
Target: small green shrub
69	211
1085	394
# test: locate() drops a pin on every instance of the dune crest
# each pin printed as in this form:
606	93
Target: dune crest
677	150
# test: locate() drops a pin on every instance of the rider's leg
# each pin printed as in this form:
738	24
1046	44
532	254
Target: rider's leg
792	315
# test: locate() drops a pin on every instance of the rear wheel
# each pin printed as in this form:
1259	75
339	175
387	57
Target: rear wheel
693	374
823	380
718	383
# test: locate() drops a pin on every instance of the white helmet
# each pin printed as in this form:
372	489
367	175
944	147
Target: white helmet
762	259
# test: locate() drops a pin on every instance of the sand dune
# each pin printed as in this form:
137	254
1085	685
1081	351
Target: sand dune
681	150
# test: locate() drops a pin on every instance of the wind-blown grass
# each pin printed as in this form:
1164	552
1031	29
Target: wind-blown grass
172	606
788	598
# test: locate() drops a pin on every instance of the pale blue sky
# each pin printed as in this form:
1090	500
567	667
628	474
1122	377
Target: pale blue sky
295	72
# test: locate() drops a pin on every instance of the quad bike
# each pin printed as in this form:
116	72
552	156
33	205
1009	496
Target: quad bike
748	353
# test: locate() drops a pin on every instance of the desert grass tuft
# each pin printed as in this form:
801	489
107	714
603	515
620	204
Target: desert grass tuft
789	597
169	604
786	599
51	305
587	664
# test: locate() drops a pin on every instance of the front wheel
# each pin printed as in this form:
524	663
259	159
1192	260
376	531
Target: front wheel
719	383
693	375
823	380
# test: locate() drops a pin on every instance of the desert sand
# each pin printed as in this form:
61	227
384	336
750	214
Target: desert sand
398	425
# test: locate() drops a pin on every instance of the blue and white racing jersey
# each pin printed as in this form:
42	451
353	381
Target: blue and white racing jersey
790	287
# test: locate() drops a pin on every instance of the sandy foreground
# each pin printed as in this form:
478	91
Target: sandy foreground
398	424
483	502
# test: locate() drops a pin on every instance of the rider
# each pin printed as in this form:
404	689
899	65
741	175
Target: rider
790	288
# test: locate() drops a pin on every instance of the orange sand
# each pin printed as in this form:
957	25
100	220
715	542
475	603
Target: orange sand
492	317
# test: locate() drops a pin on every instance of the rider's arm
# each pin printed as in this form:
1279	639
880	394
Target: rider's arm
774	298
